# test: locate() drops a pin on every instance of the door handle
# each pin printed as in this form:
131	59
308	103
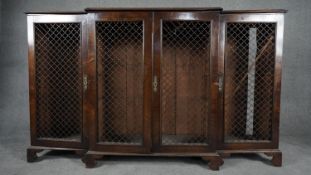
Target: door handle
220	82
155	83
85	83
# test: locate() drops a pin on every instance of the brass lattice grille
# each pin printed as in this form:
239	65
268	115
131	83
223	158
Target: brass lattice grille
249	79
58	80
185	82
120	81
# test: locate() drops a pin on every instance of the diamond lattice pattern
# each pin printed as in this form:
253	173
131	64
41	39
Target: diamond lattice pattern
249	79
58	80
120	81
185	82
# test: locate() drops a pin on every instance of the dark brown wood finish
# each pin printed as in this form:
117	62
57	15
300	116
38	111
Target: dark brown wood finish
189	9
92	147
268	147
95	145
32	72
258	11
254	18
50	144
212	17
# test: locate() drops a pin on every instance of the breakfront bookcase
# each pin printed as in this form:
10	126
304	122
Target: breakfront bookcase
199	82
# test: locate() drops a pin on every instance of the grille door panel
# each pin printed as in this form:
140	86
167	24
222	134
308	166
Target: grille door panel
124	66
120	83
56	81
249	82
184	49
185	82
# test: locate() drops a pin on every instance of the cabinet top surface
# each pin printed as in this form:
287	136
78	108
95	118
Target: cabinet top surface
90	10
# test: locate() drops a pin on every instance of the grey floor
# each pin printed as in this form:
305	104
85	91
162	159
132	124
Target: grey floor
296	161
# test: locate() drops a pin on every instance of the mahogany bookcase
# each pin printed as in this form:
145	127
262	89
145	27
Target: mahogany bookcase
197	82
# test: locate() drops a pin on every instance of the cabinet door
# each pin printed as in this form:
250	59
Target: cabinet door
184	59
123	56
252	50
55	71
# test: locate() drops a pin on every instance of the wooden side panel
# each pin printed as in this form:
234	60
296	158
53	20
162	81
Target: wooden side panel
183	95
168	60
